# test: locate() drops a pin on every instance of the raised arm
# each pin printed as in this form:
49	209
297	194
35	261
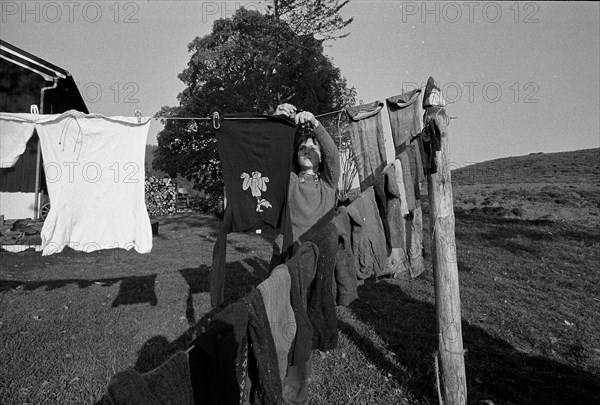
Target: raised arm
330	156
329	152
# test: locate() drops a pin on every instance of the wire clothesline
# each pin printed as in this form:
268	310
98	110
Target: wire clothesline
245	118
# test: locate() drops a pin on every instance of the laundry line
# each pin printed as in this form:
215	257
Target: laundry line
234	118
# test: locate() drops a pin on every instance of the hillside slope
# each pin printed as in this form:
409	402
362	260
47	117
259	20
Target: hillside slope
561	186
581	166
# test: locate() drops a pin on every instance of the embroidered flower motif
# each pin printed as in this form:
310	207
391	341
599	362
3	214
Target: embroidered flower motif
262	203
257	184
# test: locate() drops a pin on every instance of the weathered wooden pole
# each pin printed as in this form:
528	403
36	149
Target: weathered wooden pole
452	380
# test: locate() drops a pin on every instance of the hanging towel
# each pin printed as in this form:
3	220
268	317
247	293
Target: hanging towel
15	131
94	168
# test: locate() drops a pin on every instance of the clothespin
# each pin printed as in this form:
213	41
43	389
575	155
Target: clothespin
138	114
216	120
34	109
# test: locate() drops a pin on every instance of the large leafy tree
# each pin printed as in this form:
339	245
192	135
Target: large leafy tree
249	63
320	18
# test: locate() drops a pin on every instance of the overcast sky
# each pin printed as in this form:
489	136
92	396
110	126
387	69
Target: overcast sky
519	77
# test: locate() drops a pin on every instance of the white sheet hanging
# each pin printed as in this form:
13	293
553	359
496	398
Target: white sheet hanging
95	174
15	131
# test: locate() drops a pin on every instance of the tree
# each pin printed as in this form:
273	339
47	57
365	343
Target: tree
312	17
249	63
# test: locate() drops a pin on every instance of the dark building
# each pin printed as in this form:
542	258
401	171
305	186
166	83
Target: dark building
26	79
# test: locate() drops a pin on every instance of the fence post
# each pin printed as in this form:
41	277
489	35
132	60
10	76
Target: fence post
452	380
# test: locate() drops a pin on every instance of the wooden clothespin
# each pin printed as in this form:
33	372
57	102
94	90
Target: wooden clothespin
138	115
216	120
34	109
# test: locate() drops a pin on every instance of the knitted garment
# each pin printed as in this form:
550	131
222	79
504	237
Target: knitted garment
302	267
321	303
416	168
311	201
368	239
345	273
265	382
217	366
235	359
387	196
275	292
400	181
168	384
409	185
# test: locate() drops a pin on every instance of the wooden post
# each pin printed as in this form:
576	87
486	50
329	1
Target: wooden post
452	380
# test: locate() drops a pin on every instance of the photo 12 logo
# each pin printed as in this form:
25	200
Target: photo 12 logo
226	9
489	92
91	172
115	249
68	11
452	12
93	92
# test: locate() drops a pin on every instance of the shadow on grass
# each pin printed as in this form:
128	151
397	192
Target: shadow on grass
495	370
242	277
502	232
187	221
136	290
132	290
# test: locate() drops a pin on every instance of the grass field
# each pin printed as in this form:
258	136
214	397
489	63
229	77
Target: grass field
528	254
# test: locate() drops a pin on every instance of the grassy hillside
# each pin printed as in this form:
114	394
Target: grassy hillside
558	186
581	166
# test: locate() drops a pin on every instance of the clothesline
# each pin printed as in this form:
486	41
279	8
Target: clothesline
233	118
255	118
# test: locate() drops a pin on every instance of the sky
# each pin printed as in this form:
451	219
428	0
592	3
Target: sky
519	77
